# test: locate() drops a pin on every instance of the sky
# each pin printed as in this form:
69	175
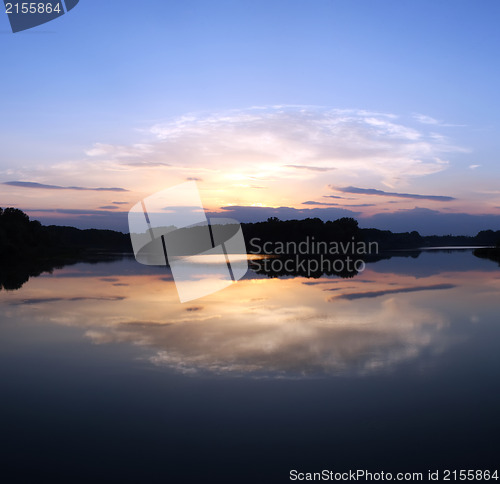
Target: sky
386	111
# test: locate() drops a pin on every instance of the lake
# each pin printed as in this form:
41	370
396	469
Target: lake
107	377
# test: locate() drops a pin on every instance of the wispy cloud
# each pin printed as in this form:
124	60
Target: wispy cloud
144	324
137	150
429	120
422	118
25	184
370	294
147	164
310	202
72	211
267	142
23	302
359	205
373	191
311	168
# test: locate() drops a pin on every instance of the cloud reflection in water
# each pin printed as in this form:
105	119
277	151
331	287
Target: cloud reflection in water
285	328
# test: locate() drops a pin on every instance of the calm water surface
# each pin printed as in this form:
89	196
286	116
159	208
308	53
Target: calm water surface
106	377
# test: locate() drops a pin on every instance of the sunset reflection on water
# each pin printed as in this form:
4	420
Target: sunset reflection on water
262	327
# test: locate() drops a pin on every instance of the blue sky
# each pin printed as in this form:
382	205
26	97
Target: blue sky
409	88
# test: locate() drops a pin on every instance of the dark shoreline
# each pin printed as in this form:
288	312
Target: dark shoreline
27	248
491	253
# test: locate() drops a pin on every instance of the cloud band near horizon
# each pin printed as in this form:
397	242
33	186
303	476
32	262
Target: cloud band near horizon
26	184
373	191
